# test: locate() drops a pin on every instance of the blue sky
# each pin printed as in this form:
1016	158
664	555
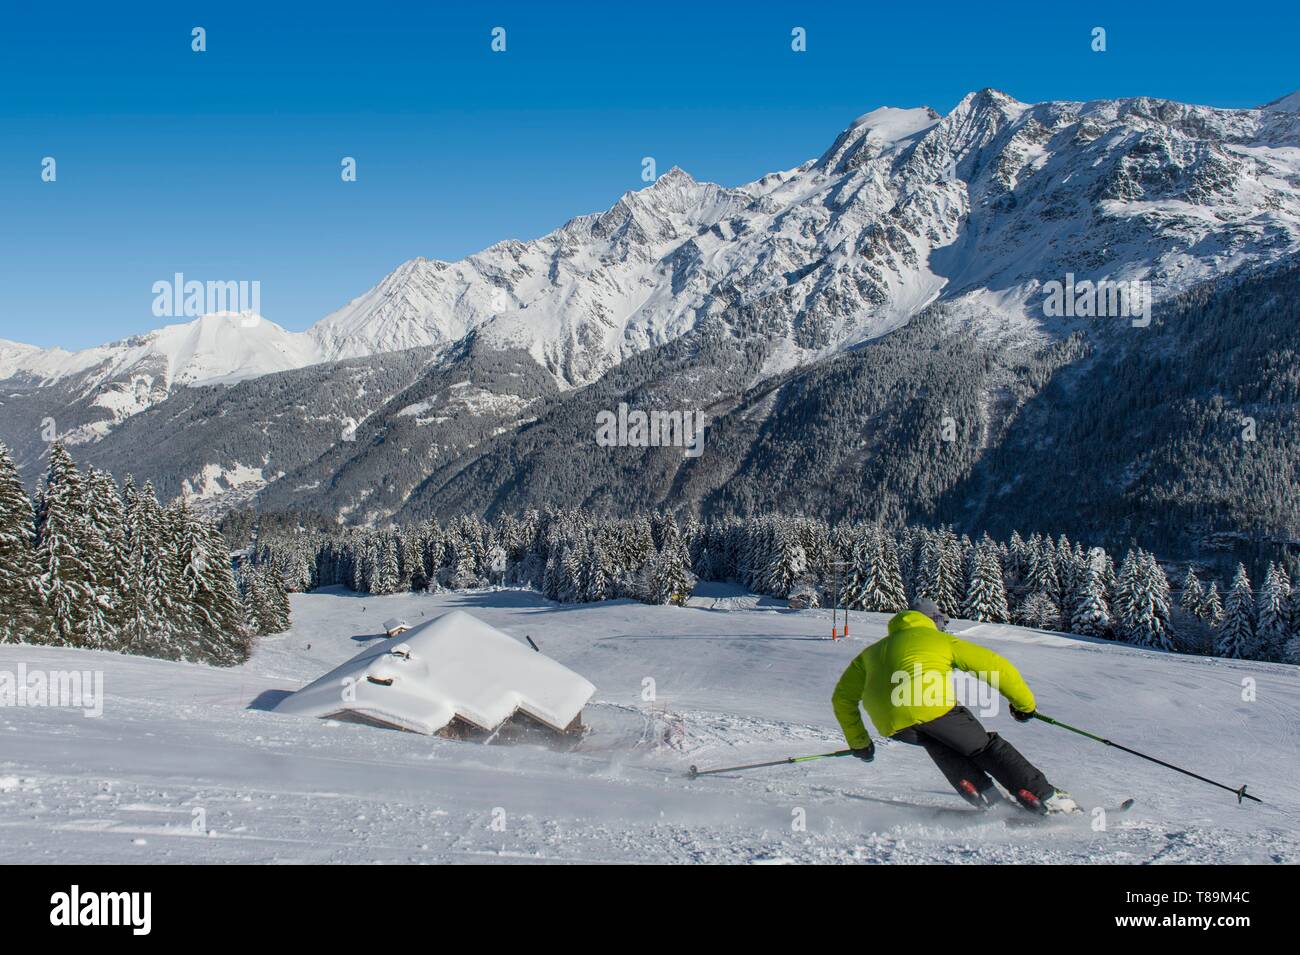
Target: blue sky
225	164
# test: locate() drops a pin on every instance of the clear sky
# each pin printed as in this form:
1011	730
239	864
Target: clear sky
224	165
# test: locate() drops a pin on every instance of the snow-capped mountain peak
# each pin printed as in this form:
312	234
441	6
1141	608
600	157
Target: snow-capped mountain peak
1288	104
986	203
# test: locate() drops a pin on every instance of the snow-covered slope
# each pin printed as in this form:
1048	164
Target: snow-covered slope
218	348
180	769
454	666
989	202
981	207
90	391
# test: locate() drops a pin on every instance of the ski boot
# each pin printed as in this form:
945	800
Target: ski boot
984	799
1058	802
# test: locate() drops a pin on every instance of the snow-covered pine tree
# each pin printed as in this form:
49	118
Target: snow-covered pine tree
1069	569
1091	615
218	597
1273	614
106	555
183	640
266	604
986	596
19	597
136	609
1148	623
1039	610
386	577
890	594
163	582
1212	605
939	574
1016	567
787	562
597	579
668	578
1121	605
65	580
854	580
954	574
1291	651
209	592
1193	594
1236	637
694	538
1042	577
571	568
552	580
906	550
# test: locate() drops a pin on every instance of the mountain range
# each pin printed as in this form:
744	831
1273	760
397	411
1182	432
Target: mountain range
867	328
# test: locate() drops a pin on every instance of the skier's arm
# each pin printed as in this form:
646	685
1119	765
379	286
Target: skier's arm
845	701
983	662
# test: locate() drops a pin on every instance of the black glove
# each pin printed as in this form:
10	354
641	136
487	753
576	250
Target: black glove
866	754
1020	717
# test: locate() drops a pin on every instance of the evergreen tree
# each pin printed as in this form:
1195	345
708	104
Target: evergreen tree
209	591
986	597
939	576
1039	610
105	556
266	603
1147	610
1192	597
151	610
890	596
1273	614
1236	638
1212	605
597	579
787	562
667	578
1091	615
65	580
19	598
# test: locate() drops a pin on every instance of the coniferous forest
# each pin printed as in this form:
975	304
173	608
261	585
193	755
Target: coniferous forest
89	563
576	556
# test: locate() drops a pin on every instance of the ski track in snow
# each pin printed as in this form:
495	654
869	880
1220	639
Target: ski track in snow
185	766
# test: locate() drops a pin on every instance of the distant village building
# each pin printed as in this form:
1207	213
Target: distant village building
394	625
455	677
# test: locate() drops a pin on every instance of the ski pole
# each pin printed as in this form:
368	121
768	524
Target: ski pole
693	772
1241	793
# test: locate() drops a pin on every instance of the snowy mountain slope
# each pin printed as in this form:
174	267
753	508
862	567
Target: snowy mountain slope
212	349
997	196
179	769
976	210
220	444
90	392
993	200
1288	103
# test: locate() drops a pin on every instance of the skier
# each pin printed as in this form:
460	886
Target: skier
904	683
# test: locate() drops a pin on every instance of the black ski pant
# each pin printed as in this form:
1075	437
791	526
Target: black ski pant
966	752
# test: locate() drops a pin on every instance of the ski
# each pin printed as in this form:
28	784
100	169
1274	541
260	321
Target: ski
1030	818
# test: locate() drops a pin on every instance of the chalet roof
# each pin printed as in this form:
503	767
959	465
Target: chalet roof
453	666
